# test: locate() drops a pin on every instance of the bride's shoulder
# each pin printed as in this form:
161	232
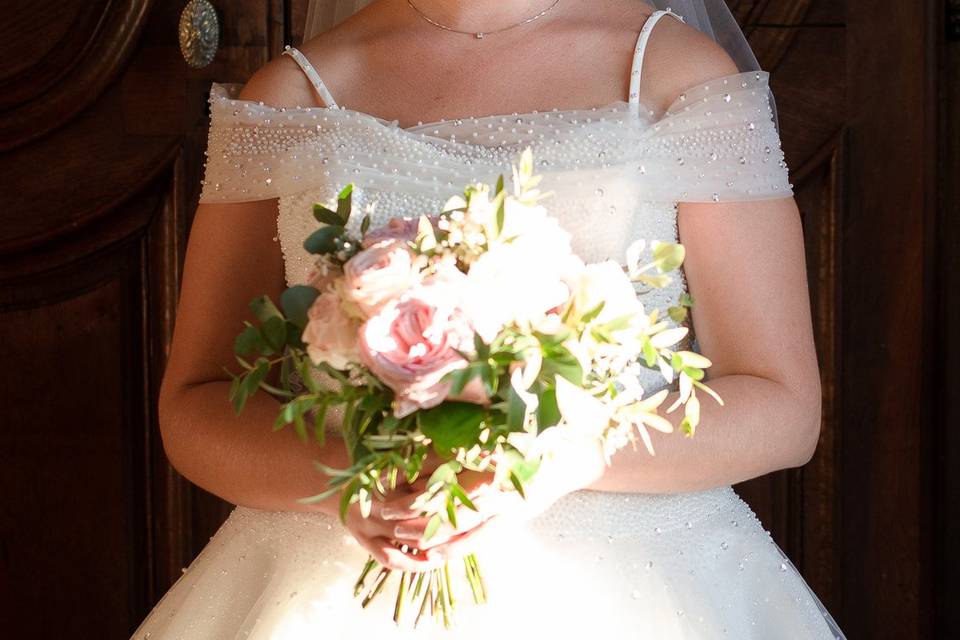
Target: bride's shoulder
281	82
679	57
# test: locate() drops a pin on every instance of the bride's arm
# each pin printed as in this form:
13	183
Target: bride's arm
231	258
745	270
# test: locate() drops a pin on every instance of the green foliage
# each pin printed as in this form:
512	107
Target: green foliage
296	301
451	426
327	216
323	241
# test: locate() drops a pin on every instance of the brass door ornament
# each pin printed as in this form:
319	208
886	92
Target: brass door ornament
199	33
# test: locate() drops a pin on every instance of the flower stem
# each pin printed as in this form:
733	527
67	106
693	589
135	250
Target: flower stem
377	586
417	587
441	593
401	593
358	587
446	577
427	595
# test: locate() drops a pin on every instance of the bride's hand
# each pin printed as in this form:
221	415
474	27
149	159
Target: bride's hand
376	532
573	463
393	523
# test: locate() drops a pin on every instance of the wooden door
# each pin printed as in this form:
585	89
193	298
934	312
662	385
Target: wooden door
102	132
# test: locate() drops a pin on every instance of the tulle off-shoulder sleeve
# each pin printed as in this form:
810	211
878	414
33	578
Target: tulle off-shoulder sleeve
257	151
716	143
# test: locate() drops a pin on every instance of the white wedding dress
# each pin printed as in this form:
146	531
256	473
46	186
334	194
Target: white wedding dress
604	565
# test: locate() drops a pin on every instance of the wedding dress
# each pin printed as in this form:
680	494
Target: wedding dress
694	565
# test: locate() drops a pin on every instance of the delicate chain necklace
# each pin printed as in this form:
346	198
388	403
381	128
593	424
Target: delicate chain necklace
480	34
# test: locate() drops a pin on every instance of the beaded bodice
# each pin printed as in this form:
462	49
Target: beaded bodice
616	173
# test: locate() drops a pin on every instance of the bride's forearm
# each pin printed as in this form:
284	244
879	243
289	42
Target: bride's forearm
763	426
240	458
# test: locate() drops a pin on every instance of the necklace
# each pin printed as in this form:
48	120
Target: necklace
479	35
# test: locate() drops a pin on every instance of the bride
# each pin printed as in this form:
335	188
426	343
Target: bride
643	126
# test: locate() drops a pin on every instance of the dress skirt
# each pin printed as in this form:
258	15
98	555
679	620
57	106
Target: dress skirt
683	566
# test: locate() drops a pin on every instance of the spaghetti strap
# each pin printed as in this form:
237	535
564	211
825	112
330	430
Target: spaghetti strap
312	75
641	49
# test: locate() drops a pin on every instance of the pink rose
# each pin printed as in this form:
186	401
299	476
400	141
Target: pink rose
404	229
322	275
377	275
412	344
330	334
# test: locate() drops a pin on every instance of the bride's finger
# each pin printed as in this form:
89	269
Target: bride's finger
413	532
462	543
392	557
399	506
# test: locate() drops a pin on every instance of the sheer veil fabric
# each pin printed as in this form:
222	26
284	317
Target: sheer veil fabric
711	17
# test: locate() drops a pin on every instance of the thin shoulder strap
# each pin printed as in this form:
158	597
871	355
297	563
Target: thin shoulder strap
641	49
312	75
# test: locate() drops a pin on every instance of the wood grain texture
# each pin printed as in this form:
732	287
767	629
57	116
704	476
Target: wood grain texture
71	70
946	383
886	500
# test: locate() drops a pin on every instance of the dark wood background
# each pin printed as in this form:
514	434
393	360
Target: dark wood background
102	128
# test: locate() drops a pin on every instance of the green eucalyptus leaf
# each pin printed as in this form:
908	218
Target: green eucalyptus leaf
525	470
451	425
560	362
548	411
347	496
459	378
264	309
657	282
445	474
677	314
517	484
296	301
516	410
668	256
248	341
482	349
433	525
325	215
649	352
591	314
251	383
451	510
501	213
274	332
345	204
323	240
694	373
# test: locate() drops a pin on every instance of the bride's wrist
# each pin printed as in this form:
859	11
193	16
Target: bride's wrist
571	465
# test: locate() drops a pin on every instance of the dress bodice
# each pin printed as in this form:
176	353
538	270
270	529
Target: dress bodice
616	173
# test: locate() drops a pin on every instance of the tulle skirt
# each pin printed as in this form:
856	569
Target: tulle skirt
695	565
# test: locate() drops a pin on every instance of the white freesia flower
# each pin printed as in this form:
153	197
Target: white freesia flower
608	283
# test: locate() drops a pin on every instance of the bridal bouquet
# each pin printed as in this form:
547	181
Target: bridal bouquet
468	333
